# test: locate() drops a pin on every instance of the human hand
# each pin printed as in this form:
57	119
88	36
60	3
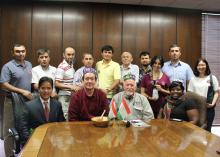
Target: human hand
159	88
151	98
54	95
27	94
208	105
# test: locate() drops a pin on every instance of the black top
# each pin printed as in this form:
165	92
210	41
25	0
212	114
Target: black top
179	111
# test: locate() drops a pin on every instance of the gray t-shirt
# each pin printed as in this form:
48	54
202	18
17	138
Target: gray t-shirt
17	75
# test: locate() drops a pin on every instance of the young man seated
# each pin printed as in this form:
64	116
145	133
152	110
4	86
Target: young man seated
41	110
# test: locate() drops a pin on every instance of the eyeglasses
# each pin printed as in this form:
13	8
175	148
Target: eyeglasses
19	51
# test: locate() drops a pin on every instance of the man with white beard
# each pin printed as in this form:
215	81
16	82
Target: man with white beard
128	104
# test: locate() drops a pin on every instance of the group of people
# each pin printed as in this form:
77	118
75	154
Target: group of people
125	91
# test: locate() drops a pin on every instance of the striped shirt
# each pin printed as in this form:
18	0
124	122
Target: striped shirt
64	74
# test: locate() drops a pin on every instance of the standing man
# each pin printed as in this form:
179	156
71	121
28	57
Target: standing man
175	69
145	67
127	67
89	101
64	79
15	77
43	69
129	105
87	61
108	72
41	110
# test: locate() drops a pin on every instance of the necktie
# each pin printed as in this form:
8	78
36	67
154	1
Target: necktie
46	110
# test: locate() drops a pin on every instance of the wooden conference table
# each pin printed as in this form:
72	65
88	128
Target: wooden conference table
82	139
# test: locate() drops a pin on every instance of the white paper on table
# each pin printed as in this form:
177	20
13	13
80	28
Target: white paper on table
139	123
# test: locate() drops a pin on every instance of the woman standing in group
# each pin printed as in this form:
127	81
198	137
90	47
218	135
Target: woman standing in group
202	84
155	85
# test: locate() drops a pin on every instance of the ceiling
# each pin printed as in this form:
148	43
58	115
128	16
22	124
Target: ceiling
204	5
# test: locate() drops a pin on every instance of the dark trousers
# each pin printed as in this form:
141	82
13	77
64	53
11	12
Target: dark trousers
210	118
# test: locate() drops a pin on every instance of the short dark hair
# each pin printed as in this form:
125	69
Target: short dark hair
43	51
107	48
17	45
144	53
174	45
207	71
160	58
45	79
176	84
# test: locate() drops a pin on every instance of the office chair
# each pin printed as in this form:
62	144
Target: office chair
201	102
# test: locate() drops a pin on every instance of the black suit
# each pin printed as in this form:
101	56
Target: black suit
34	116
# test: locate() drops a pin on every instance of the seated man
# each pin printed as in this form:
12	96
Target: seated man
88	102
128	104
87	61
41	110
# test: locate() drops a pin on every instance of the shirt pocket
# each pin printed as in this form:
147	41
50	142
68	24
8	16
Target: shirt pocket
138	106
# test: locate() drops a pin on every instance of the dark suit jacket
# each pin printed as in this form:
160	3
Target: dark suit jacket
33	116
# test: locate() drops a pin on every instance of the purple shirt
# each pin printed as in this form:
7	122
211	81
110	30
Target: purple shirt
83	107
147	84
17	75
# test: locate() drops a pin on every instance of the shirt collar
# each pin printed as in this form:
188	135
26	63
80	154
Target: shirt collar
129	67
45	69
42	102
107	63
65	62
176	64
17	64
93	95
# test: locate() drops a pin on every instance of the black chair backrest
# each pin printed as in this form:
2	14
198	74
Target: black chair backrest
201	102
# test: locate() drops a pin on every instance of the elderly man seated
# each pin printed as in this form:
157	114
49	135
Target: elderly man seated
88	102
128	104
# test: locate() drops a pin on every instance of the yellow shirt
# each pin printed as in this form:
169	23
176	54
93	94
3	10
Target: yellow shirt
107	74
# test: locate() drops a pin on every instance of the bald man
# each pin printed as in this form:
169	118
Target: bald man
128	68
64	79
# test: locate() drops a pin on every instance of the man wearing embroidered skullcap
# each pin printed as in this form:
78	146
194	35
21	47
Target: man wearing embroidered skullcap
128	104
89	101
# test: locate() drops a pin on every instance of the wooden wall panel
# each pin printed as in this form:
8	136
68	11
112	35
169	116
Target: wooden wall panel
107	29
87	27
15	28
163	32
136	30
77	30
189	35
47	31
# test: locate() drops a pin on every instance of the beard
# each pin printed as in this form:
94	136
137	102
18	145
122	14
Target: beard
70	61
